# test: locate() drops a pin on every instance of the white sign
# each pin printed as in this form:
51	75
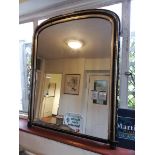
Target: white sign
74	121
102	95
94	94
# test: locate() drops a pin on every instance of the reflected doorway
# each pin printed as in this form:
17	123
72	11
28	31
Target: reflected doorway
98	106
51	97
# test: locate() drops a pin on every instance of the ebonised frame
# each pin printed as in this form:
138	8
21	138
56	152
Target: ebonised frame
92	13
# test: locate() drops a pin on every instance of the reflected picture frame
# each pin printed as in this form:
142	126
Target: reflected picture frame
51	89
72	84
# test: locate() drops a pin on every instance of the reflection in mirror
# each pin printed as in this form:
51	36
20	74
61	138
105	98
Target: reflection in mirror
75	86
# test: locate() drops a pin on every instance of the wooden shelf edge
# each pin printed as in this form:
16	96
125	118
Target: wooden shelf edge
82	143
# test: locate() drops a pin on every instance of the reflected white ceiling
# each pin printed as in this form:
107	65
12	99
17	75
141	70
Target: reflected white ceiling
94	32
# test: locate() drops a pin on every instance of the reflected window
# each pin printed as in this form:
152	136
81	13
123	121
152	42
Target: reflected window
25	43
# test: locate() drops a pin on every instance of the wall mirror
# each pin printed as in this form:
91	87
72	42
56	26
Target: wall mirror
74	74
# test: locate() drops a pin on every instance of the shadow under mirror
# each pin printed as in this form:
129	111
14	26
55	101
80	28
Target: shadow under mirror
75	74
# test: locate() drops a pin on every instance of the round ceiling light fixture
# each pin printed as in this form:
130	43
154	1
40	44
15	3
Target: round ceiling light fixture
74	44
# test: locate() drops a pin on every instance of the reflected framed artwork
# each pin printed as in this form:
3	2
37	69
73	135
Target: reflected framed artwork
51	89
72	84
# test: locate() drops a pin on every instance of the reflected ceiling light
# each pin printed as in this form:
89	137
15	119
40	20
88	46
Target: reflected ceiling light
74	44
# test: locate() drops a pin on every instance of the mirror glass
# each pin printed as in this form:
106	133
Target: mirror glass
74	87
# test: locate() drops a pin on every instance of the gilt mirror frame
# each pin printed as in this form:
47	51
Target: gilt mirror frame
84	14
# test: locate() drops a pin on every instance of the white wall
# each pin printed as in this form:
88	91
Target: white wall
43	146
73	103
97	64
68	103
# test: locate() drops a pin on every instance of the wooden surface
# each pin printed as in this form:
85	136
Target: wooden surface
73	140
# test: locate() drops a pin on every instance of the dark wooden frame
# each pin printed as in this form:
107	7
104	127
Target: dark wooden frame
92	13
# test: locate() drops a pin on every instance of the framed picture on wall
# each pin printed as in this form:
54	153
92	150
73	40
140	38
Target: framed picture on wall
72	84
51	87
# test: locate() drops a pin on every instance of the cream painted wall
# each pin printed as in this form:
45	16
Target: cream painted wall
43	146
97	64
68	103
73	103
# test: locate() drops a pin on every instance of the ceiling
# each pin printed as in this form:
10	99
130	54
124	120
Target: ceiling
94	32
27	7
